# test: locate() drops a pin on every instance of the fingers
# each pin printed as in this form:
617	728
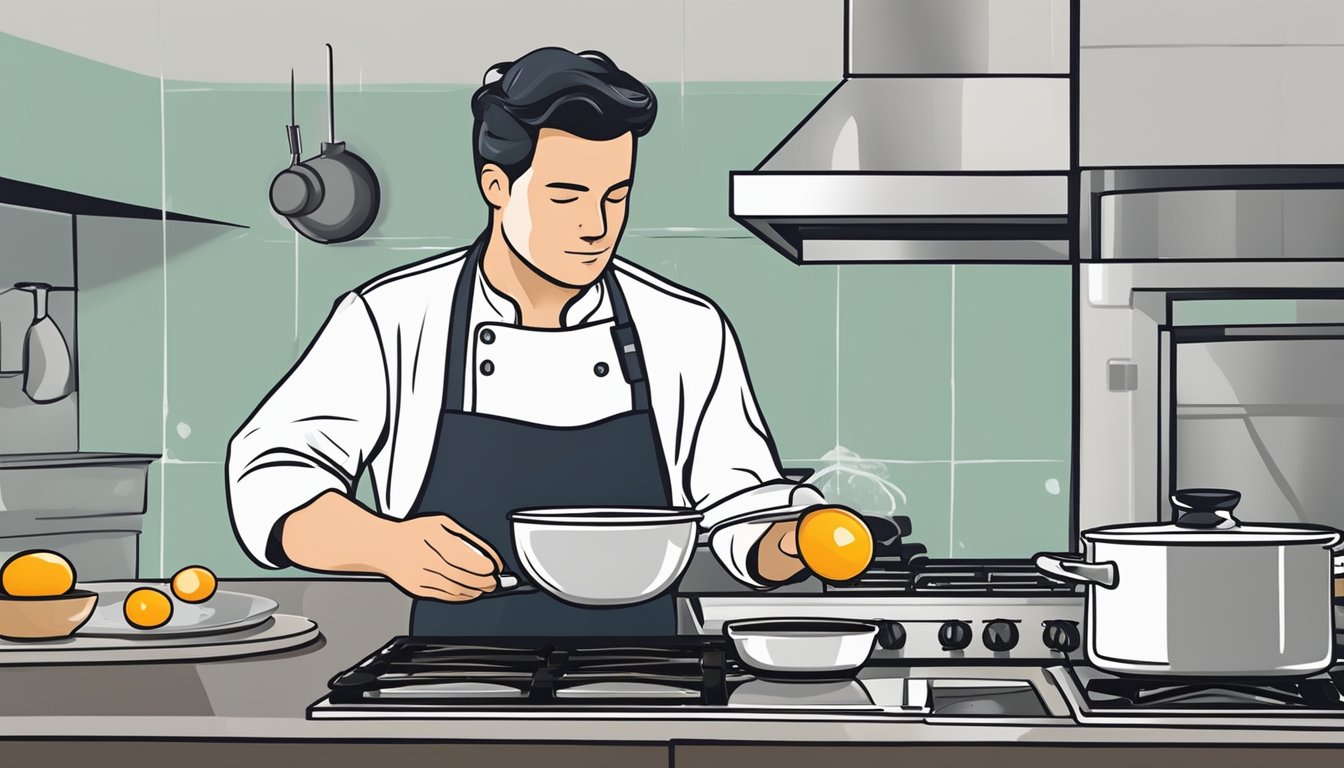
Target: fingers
455	527
461	562
787	540
434	593
437	579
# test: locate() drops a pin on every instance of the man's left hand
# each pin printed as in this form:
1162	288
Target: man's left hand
777	557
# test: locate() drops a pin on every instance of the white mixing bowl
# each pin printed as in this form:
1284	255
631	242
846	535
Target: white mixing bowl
598	556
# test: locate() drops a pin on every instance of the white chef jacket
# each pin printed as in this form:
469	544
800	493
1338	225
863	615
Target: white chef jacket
369	389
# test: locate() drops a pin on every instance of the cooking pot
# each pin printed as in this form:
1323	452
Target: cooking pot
1206	595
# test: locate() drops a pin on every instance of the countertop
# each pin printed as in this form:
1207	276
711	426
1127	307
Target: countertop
148	713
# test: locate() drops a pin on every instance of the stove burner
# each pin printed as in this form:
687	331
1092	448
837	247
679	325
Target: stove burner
947	577
1112	695
414	670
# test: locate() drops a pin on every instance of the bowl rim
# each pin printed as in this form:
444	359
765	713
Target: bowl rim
69	595
611	515
799	626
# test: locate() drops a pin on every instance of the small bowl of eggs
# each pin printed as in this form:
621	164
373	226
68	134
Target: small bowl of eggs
39	600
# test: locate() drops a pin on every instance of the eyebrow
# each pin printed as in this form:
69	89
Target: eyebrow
581	188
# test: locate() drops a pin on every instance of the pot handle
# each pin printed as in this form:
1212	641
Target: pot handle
1079	571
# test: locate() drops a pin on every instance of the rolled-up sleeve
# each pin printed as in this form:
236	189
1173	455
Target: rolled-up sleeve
314	432
734	470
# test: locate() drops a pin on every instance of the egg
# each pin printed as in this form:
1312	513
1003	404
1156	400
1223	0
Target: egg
147	608
835	543
194	584
37	573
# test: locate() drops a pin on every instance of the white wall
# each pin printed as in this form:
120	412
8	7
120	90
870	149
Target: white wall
449	41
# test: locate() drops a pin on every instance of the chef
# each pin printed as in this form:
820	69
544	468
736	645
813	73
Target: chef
532	368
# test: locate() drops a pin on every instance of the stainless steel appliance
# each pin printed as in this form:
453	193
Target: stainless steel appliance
947	141
699	678
1210	332
654	678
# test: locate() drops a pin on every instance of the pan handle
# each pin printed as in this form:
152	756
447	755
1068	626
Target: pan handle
1079	571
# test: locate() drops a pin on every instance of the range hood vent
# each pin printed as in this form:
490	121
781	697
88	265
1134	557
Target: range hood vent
932	153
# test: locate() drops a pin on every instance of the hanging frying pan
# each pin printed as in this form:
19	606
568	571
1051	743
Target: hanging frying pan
330	198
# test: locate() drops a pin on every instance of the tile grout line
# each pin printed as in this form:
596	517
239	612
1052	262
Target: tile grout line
837	357
163	216
681	101
952	450
296	285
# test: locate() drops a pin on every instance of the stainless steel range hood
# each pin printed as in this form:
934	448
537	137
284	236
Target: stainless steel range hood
947	141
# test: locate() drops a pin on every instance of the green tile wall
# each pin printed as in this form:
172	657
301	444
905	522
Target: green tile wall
982	460
78	124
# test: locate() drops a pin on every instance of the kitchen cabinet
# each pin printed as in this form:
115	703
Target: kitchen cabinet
251	712
1100	755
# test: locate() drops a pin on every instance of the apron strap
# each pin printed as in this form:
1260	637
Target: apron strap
623	335
627	344
455	389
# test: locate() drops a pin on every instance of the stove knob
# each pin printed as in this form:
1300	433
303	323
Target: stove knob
1061	636
891	635
1000	635
955	635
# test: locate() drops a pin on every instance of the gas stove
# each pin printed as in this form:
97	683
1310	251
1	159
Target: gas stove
670	677
928	611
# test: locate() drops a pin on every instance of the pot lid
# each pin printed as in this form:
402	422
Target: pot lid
1237	535
1206	518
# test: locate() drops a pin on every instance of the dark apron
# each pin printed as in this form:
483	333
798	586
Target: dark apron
485	466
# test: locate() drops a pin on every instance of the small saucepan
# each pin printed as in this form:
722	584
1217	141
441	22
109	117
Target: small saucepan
814	649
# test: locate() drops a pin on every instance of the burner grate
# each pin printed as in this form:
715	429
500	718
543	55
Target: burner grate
942	577
541	673
1196	697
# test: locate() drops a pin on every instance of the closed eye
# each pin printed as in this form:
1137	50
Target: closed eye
565	200
620	199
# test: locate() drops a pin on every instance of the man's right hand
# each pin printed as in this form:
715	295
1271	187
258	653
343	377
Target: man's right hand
435	557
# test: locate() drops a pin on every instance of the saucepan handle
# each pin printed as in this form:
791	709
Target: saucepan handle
1079	571
1337	546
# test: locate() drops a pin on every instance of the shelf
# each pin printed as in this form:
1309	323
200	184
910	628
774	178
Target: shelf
69	459
28	195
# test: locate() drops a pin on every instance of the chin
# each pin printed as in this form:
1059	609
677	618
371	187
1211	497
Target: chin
577	275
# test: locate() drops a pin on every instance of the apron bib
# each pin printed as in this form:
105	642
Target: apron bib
485	466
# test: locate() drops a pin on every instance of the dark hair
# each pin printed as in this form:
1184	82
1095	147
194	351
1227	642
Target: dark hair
585	94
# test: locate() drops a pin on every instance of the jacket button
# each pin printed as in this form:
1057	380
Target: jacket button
487	336
487	367
601	369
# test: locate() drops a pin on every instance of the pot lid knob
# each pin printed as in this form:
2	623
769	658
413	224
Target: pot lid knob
1206	508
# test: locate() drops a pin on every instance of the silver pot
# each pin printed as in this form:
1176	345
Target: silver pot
1207	595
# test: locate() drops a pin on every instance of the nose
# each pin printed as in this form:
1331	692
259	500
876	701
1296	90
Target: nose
593	227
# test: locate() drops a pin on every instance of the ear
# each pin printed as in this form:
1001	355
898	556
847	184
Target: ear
495	185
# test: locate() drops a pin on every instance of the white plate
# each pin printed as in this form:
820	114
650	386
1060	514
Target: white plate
223	612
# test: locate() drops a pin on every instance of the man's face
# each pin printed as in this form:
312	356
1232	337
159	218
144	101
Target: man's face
565	214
